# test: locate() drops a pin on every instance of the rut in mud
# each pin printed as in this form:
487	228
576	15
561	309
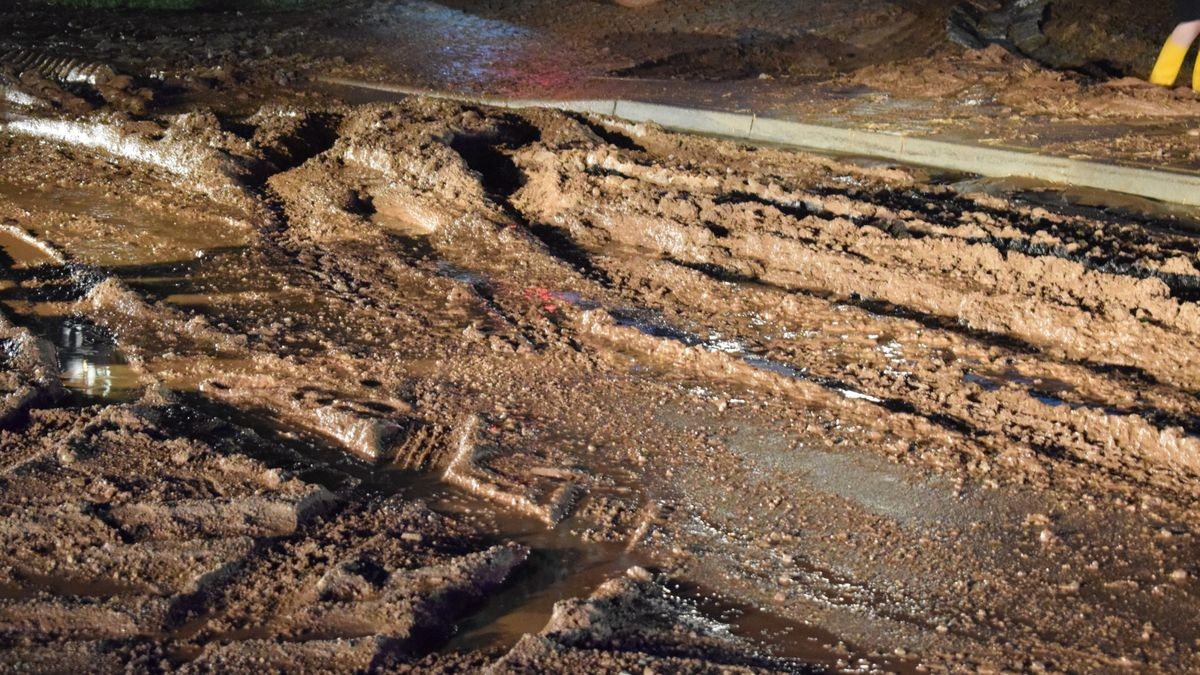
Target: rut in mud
349	379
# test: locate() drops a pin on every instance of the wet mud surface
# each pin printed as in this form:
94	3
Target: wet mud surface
295	383
1058	76
419	385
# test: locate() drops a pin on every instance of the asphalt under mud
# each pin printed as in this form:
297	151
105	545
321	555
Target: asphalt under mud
299	383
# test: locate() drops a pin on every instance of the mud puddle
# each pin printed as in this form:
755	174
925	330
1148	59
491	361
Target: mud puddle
183	260
807	647
104	231
562	566
91	365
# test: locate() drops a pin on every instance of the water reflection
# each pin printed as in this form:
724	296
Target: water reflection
90	364
442	46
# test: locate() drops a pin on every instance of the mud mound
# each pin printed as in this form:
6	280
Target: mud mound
29	376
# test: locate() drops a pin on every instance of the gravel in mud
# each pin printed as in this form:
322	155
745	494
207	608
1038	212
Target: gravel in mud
426	386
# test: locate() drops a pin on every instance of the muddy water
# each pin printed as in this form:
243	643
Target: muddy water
89	363
106	231
92	365
563	565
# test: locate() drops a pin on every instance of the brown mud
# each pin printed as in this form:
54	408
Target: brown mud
295	383
948	426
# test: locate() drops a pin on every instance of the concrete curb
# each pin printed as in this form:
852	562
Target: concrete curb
1168	186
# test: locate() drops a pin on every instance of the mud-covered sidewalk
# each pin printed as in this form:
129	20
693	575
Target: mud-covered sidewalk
294	381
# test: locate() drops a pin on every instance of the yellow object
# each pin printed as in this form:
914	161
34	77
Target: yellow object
1196	77
1170	60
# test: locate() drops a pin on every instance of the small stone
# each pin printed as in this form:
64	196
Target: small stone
414	537
1179	576
638	573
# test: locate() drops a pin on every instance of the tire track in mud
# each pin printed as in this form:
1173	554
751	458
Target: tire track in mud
118	306
432	283
1024	407
875	210
181	617
672	238
476	286
533	219
66	69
